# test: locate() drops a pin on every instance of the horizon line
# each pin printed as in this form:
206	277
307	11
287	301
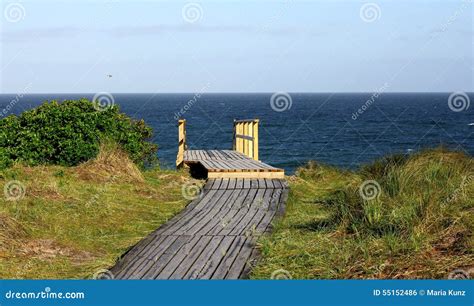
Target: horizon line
236	92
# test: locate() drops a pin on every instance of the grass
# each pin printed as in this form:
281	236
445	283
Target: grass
401	217
73	221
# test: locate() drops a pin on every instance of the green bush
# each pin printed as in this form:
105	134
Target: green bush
70	132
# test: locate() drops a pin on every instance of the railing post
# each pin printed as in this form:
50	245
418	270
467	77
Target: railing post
246	137
234	141
247	133
181	142
250	134
240	141
245	141
255	139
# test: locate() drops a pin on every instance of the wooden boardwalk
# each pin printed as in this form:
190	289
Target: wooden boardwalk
215	236
231	164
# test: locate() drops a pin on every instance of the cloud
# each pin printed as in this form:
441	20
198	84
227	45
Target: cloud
29	34
152	30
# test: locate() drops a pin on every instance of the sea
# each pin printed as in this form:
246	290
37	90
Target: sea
342	129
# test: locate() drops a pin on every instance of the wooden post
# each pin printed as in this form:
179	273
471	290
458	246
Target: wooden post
234	141
255	139
240	141
250	134
246	142
246	137
181	142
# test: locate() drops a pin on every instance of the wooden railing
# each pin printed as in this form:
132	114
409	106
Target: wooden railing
181	142
246	137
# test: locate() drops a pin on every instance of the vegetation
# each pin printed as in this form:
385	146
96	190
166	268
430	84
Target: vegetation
76	198
71	132
400	217
69	222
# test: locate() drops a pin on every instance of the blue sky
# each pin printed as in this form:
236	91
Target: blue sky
236	46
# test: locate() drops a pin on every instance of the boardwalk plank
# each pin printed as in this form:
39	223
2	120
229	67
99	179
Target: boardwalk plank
173	264
189	260
216	258
214	237
204	257
241	260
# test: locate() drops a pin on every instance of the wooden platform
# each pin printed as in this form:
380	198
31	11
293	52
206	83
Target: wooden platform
214	237
231	164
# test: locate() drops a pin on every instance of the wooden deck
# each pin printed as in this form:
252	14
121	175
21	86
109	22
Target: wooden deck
214	237
231	164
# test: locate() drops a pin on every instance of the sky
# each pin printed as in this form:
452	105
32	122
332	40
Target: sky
236	46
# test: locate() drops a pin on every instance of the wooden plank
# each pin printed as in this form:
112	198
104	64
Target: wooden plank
168	270
125	262
143	262
190	226
222	217
251	262
241	260
232	182
242	211
228	220
224	184
183	268
239	183
229	258
256	175
269	183
215	259
247	183
255	212
209	216
161	261
249	225
195	269
255	140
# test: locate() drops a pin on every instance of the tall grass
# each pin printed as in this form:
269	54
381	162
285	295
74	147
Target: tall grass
399	217
73	221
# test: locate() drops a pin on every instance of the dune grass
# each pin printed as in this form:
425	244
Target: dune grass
72	221
400	217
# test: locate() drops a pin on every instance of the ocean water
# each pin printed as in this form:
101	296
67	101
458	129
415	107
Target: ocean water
344	130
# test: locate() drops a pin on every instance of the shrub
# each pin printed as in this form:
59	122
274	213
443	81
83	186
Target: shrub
70	132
